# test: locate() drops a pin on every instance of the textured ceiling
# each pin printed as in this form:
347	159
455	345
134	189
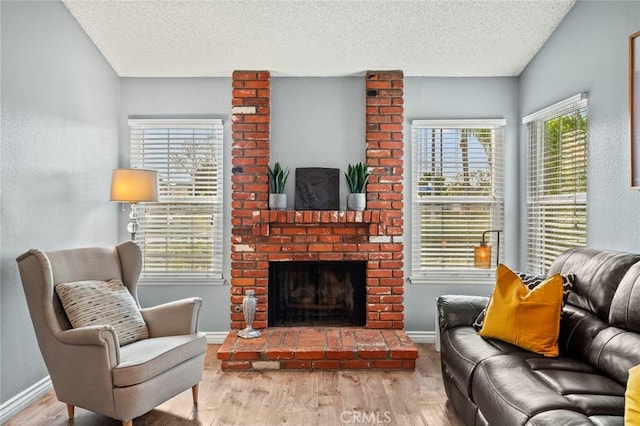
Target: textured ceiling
188	38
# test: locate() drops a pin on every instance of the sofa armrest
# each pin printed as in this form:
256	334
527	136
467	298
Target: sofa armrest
173	318
459	310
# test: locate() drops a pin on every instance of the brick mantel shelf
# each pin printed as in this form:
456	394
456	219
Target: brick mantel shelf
263	219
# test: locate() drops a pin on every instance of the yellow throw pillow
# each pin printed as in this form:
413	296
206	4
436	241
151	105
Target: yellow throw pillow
528	319
632	398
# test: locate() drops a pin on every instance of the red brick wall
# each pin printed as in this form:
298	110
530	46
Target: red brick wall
259	236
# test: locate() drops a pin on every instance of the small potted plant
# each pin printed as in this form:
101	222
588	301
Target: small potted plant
357	176
277	180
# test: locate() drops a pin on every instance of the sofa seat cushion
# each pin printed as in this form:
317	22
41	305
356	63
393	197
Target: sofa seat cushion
572	418
509	393
144	359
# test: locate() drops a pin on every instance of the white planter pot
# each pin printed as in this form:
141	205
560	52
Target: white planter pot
278	201
357	201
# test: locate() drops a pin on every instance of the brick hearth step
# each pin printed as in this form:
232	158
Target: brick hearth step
319	348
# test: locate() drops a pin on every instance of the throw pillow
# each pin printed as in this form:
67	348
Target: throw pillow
528	319
532	281
632	398
103	303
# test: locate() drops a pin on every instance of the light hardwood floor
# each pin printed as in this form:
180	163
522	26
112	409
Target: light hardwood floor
287	398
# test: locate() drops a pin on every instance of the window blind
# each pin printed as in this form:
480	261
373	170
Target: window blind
556	181
457	191
180	235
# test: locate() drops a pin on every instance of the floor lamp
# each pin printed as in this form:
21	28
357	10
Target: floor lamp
134	186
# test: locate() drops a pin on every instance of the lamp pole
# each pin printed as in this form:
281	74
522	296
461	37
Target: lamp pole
497	231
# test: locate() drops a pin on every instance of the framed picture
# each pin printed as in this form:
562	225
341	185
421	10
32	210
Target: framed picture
634	107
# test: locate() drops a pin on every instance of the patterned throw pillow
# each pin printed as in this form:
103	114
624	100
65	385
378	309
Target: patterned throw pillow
531	281
103	303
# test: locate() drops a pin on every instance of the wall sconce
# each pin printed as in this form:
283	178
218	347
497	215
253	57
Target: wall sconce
134	186
482	253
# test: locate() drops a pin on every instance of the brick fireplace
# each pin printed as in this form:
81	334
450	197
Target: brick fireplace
260	236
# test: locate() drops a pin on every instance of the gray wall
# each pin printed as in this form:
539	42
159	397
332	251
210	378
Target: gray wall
189	98
459	98
59	144
588	52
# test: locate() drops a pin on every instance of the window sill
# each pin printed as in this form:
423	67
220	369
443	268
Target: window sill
454	277
182	281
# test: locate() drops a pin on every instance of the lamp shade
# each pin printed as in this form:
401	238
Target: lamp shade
134	185
482	256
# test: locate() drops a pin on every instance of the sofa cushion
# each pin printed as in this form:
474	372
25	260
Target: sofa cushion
95	302
509	393
529	319
593	393
597	275
578	329
148	358
617	352
531	281
559	417
624	306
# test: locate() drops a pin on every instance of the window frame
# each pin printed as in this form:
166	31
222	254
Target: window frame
535	122
457	276
215	275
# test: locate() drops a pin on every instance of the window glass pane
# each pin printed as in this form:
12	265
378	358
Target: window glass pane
557	183
181	234
458	186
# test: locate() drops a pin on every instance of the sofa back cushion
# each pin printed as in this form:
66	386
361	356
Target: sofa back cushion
625	307
597	276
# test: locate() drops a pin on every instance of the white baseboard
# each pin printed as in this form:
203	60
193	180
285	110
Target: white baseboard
422	336
217	337
25	398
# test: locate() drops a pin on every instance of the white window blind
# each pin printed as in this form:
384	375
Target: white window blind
457	193
556	181
180	235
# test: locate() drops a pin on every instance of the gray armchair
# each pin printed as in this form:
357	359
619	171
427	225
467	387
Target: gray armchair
87	366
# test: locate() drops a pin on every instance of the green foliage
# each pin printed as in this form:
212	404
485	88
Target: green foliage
565	140
277	178
357	176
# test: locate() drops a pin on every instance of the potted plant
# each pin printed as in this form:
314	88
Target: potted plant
357	176
277	180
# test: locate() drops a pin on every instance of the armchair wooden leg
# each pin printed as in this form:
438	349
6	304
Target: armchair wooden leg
194	392
127	423
70	411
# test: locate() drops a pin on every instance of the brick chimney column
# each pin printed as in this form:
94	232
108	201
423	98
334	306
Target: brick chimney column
251	119
384	153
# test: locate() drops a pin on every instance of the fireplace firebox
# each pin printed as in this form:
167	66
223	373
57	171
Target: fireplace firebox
317	293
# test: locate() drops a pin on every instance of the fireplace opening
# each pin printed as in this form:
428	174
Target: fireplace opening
317	293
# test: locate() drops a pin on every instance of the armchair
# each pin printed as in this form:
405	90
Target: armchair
87	365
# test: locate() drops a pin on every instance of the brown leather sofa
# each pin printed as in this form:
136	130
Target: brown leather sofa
490	382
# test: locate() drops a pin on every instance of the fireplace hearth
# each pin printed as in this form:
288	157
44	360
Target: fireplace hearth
317	293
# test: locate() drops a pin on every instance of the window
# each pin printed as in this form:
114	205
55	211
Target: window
556	181
457	195
180	235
